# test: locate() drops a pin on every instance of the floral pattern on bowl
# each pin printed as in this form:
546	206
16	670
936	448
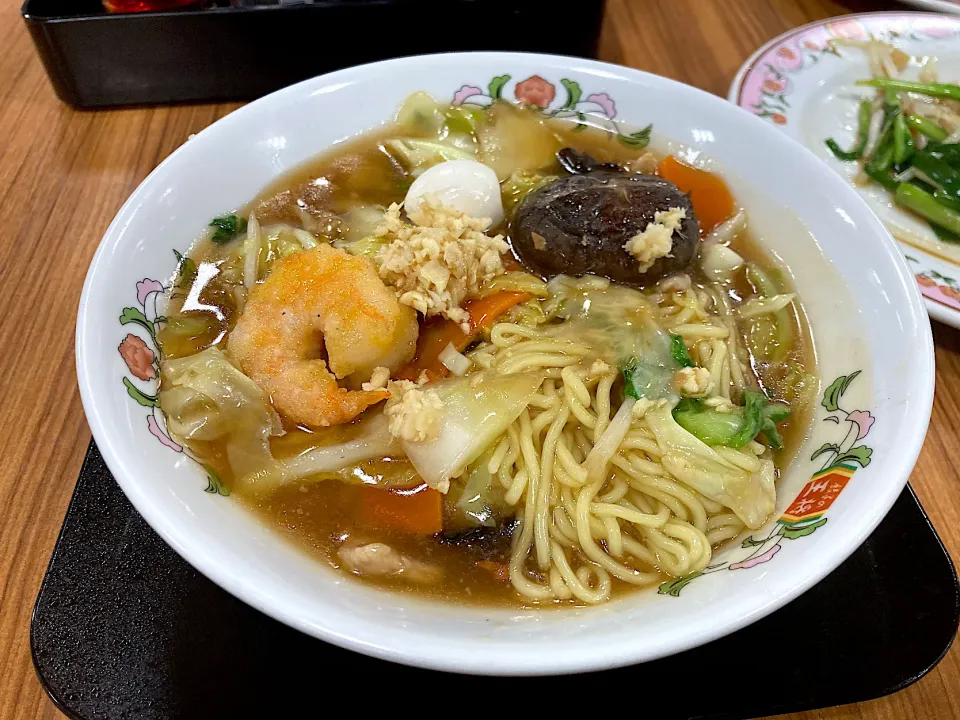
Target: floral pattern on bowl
142	359
802	517
536	91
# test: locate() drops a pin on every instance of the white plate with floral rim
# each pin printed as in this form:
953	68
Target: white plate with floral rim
803	85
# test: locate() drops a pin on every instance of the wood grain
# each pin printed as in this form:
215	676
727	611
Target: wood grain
64	174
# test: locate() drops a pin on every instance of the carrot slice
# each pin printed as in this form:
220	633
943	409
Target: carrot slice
436	334
418	511
500	571
711	198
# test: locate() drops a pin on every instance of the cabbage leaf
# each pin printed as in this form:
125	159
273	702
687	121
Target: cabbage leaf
751	496
477	409
204	397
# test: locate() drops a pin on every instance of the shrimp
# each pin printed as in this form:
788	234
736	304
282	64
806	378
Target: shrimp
316	304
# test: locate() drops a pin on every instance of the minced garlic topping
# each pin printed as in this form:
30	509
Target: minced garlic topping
378	379
691	381
645	405
657	239
599	367
441	261
413	412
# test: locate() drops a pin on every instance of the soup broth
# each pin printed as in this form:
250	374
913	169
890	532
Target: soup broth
339	197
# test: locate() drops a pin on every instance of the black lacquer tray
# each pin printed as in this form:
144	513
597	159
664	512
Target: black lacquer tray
124	628
96	59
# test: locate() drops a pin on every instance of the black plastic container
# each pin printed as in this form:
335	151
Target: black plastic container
96	59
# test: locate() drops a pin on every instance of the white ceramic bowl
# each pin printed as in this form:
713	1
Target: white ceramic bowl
863	304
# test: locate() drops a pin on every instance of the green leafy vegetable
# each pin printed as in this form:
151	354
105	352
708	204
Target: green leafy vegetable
227	228
926	127
903	144
949	153
186	271
644	380
881	177
927	206
939	171
943	234
750	495
462	119
938	90
863	131
707	424
945	198
733	429
678	351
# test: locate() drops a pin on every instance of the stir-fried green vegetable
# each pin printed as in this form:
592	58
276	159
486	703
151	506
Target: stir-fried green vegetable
863	133
939	171
949	153
927	128
733	429
227	228
927	206
937	90
903	144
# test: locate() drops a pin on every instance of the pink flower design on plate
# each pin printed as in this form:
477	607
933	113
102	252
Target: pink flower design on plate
154	427
147	287
138	357
754	561
846	29
939	30
786	53
464	93
774	86
810	45
863	420
604	101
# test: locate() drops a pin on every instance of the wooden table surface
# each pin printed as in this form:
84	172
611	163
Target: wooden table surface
64	174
